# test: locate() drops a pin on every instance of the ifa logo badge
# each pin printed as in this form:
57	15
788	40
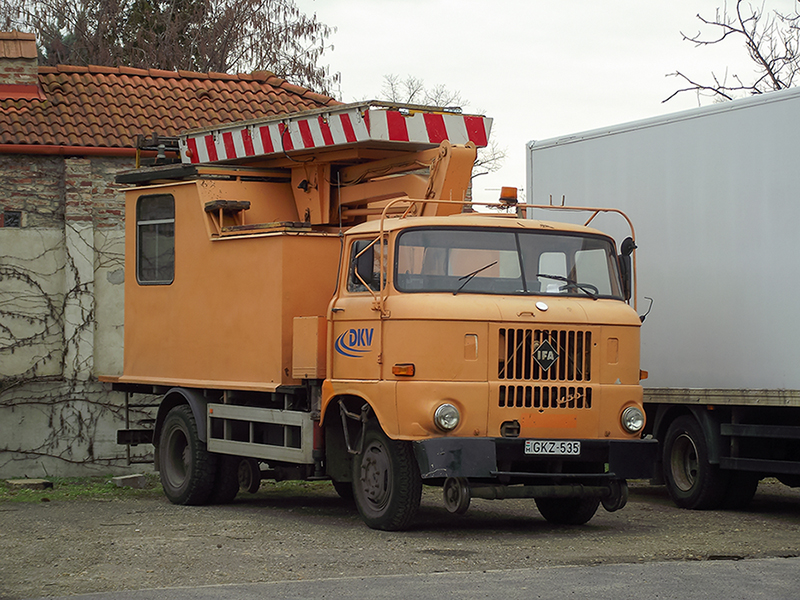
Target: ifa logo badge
545	355
355	343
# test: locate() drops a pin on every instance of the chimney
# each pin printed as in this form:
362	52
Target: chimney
19	66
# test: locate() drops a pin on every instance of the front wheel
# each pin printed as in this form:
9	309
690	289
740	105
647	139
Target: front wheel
692	481
567	511
387	486
187	469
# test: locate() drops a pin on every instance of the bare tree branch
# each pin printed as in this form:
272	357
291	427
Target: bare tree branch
771	40
412	90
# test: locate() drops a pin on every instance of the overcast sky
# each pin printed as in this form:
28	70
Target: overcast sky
539	68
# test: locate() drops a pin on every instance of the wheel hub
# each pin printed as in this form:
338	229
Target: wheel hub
178	458
375	469
684	463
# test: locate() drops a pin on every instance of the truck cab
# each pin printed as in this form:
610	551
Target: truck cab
494	345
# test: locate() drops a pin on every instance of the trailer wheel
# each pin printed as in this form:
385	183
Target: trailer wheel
387	486
691	480
249	475
187	469
567	511
456	494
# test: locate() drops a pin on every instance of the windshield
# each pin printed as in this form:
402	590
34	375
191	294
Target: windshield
501	261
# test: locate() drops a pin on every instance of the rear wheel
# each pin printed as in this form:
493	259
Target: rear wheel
692	481
226	485
567	511
387	486
187	469
741	489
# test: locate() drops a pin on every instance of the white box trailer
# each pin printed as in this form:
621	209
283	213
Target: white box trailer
713	194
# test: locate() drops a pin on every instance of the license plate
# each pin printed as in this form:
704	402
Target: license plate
553	447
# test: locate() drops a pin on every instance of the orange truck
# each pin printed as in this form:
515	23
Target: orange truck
313	297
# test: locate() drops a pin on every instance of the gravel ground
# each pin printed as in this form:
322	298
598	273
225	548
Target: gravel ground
305	532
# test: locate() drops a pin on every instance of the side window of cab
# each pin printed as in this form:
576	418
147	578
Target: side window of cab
364	272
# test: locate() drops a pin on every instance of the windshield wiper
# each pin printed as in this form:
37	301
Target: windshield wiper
468	277
587	288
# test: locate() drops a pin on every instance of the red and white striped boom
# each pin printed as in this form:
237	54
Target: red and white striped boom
373	122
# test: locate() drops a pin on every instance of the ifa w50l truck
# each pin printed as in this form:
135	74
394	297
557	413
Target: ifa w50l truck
310	299
713	190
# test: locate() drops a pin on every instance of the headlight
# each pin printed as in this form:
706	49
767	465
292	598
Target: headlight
632	419
446	417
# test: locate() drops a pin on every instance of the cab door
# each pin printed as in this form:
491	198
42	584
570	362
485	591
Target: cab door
357	329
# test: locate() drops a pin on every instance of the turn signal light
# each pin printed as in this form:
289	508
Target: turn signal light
403	370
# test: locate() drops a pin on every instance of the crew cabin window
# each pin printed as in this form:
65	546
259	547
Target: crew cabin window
155	239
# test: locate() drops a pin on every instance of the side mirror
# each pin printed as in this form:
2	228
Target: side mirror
627	247
625	266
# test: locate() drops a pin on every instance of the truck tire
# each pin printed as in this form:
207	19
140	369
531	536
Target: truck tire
792	481
226	485
344	489
187	469
387	486
567	511
691	480
742	486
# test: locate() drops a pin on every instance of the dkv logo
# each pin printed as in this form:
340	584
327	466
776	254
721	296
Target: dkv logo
354	343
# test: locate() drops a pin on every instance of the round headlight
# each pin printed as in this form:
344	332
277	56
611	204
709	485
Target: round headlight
446	417
632	419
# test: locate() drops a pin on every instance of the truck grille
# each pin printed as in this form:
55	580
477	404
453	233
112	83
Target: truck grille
516	348
572	365
541	396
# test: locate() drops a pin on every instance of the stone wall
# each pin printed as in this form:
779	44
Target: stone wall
61	316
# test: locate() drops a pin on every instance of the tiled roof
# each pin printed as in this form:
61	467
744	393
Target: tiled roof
105	107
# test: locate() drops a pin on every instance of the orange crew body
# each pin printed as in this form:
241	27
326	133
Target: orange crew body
225	320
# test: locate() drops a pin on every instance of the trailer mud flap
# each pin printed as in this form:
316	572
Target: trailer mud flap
632	459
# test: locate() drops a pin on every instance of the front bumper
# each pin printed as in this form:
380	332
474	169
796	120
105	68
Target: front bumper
504	460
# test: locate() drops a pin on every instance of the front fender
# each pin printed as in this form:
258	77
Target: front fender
379	395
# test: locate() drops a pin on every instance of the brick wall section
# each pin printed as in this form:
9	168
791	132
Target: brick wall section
19	72
108	197
45	188
35	186
78	189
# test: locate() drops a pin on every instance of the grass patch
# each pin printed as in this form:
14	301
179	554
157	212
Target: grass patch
287	489
80	488
103	488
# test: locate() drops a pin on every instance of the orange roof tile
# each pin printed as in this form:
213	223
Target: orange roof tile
108	107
